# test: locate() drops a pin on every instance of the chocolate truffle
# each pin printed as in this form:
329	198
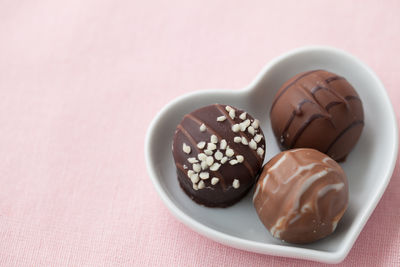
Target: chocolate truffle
301	195
318	109
218	152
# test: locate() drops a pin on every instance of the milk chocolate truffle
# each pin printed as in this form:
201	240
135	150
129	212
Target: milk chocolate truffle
218	152
301	195
318	109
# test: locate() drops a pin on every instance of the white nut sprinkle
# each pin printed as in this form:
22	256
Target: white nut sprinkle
236	184
240	158
235	128
186	148
203	127
228	108
260	151
190	173
202	156
195	178
233	162
251	130
224	159
244	141
223	144
204	165
255	124
185	167
221	118
201	185
215	167
204	175
258	138
208	152
253	144
209	160
232	114
214	181
211	146
196	167
192	160
229	152
218	155
237	139
243	116
201	144
244	125
195	187
214	139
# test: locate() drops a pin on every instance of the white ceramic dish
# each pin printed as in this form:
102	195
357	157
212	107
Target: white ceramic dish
369	166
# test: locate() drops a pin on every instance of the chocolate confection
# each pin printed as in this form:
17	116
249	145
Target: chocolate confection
318	109
218	152
301	195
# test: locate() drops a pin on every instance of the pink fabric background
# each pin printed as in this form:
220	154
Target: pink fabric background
81	80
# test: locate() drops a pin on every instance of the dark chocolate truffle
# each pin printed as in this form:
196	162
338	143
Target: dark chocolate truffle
218	152
318	109
301	195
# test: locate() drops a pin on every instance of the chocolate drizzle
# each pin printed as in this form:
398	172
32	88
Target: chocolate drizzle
296	112
188	136
332	104
353	124
315	116
317	88
330	98
352	97
289	85
304	126
334	78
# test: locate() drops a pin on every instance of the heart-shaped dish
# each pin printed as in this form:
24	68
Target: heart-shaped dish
368	167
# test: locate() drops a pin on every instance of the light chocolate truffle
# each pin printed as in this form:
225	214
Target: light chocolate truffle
218	152
301	195
318	109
